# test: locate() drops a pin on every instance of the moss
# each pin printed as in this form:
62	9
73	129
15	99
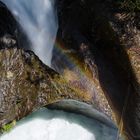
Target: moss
8	127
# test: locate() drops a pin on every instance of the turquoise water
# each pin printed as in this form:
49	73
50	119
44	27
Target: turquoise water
58	125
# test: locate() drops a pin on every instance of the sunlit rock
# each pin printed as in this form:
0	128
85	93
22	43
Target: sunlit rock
26	84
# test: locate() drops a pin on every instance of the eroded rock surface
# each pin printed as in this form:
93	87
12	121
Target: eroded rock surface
26	84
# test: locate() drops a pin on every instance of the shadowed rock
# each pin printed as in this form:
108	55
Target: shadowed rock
111	38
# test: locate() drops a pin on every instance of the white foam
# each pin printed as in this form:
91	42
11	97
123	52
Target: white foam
38	19
58	125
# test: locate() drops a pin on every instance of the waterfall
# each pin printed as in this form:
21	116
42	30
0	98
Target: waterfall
39	22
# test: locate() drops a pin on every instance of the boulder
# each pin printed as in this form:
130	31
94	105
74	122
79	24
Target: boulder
26	85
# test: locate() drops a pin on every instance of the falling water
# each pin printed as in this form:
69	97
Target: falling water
39	21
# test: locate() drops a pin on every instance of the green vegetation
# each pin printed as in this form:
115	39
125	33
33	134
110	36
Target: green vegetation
130	5
8	127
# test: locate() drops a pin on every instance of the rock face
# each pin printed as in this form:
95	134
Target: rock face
105	38
26	84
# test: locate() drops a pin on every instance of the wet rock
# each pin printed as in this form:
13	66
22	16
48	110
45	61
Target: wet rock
74	47
105	40
26	84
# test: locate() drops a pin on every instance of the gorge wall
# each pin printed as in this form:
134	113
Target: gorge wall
96	37
106	39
